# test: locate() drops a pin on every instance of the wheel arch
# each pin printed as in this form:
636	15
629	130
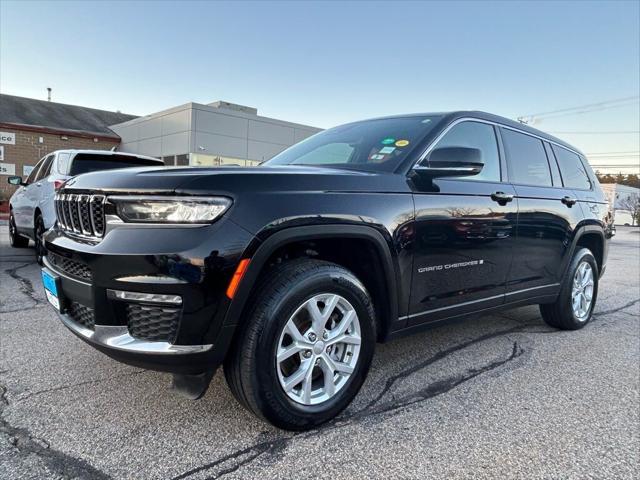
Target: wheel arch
293	235
593	238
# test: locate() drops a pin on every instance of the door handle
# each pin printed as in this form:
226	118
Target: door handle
501	197
569	201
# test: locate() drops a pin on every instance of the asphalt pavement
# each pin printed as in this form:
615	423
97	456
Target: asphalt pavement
501	395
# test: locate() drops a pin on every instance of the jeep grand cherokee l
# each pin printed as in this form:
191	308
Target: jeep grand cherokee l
289	273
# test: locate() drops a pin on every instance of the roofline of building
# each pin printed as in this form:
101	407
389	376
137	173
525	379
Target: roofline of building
61	131
219	110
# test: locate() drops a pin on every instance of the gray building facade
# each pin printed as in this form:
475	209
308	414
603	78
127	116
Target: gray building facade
218	133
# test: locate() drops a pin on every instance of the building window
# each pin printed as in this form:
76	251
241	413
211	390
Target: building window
182	159
202	160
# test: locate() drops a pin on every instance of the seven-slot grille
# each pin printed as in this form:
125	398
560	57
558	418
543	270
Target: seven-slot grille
81	214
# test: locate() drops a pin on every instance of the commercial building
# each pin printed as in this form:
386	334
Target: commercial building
218	133
194	134
30	129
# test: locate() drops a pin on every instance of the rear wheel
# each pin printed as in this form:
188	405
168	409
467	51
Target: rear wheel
306	346
574	306
15	239
38	233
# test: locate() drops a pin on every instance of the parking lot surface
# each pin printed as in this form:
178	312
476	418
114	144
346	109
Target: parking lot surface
496	396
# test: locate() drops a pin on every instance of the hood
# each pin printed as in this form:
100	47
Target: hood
232	180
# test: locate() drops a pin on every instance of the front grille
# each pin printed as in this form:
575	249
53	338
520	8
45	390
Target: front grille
70	267
81	315
152	323
81	214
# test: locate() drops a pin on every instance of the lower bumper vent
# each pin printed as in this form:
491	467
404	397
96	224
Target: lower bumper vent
70	267
82	315
153	323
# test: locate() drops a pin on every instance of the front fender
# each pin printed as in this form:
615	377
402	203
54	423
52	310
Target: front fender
260	252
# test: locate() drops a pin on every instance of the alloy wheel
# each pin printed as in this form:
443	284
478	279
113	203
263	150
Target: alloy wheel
582	291
318	349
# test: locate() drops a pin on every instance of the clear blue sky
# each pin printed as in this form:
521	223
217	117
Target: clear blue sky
328	63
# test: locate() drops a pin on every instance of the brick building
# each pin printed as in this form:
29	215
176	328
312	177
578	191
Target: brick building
29	129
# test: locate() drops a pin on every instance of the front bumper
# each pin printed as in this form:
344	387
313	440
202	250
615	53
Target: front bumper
188	337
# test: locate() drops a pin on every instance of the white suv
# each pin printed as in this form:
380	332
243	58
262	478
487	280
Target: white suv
31	208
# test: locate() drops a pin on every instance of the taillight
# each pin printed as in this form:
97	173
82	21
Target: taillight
57	184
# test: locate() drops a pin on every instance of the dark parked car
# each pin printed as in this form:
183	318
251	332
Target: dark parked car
289	273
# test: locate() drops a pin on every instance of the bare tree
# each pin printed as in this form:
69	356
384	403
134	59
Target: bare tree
632	204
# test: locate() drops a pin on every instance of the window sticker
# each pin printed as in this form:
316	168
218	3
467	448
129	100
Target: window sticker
388	141
378	158
402	143
387	149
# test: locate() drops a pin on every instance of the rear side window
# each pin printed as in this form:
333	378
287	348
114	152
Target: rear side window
45	169
88	162
32	176
528	164
63	163
571	168
480	136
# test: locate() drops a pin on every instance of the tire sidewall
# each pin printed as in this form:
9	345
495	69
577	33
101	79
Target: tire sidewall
13	232
272	399
39	240
583	255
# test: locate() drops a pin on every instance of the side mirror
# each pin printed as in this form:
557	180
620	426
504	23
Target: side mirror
451	162
15	180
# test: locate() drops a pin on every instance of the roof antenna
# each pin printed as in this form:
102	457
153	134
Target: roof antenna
48	94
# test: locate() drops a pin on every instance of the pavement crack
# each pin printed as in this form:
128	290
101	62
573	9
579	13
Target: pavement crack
437	357
252	453
26	444
616	309
443	386
271	447
24	284
74	385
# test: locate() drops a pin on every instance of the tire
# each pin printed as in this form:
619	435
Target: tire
564	313
38	232
284	297
15	239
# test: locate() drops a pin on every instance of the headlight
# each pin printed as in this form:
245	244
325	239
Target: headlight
144	209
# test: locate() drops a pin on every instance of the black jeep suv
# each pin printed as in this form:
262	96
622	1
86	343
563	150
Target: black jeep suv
288	274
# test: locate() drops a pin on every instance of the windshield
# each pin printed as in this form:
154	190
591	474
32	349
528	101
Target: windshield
91	162
379	145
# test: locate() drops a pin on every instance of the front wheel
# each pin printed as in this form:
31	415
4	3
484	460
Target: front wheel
574	306
306	346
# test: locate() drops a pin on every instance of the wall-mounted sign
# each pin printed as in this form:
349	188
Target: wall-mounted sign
7	168
8	138
1	153
27	169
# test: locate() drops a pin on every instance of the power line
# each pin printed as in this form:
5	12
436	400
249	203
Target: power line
590	107
619	132
597	154
604	165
